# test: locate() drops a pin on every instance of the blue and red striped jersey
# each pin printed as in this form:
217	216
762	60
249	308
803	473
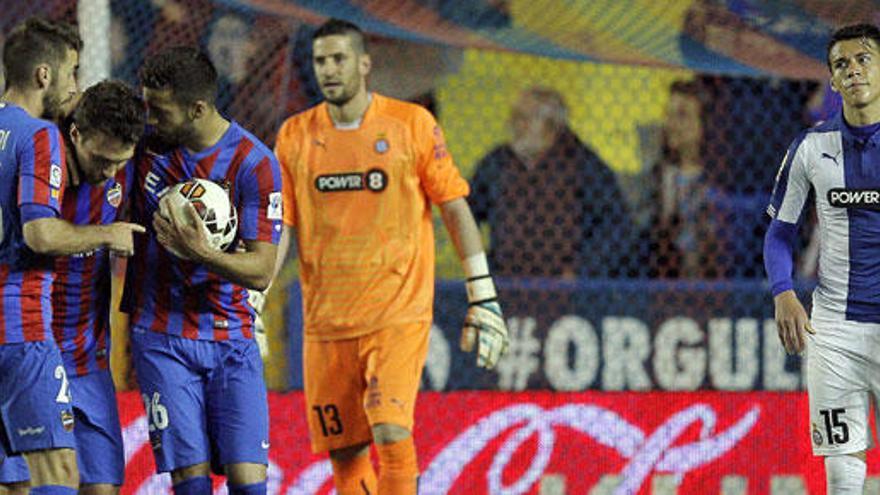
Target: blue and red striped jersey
32	177
166	294
81	291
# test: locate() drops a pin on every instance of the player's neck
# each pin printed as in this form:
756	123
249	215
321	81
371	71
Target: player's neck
72	161
209	133
30	101
860	117
351	111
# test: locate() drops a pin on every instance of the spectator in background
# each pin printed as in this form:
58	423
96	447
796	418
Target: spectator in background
231	48
683	233
553	207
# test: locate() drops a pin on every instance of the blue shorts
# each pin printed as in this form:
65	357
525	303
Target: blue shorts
99	453
14	470
205	400
35	402
97	432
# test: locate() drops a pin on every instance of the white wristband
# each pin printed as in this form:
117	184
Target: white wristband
476	265
480	289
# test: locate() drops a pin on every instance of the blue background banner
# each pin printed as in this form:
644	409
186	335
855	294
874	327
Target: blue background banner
609	335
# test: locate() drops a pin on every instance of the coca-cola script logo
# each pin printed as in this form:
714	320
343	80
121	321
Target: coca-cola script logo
645	452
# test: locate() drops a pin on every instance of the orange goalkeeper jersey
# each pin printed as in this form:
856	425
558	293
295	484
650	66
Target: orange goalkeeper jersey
360	200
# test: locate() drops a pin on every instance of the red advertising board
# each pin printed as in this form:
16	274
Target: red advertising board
557	443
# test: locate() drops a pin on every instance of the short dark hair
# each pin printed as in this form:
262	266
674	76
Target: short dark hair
335	27
33	42
186	71
113	108
851	32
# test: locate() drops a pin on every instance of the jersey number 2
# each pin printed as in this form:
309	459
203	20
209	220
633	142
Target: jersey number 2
63	396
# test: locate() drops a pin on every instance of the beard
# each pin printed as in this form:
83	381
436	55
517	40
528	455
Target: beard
54	107
343	97
174	137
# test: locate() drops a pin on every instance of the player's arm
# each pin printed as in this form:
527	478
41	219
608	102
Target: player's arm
288	234
786	205
56	237
251	269
181	231
285	149
42	178
791	317
484	324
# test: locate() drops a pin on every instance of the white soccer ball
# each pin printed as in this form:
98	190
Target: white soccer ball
219	219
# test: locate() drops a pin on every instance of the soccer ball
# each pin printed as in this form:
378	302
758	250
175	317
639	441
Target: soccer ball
211	202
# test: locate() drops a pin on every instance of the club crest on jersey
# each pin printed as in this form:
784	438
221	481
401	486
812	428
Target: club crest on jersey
374	180
817	436
868	199
114	195
67	420
55	176
381	145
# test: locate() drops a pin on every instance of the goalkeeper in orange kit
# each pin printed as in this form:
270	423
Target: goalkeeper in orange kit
360	172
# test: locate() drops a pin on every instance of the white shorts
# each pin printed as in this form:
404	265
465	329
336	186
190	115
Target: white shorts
843	375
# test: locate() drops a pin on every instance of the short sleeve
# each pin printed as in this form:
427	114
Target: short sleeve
440	178
42	175
792	187
283	152
261	206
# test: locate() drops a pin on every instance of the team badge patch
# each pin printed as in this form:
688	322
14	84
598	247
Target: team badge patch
55	176
381	145
114	195
275	209
67	420
817	436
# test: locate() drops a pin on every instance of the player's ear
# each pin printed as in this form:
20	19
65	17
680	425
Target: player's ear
198	109
834	86
43	76
75	135
366	63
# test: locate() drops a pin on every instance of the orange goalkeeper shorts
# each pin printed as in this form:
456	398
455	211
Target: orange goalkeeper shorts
354	383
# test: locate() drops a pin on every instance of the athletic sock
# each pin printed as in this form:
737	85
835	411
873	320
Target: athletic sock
354	476
845	475
199	485
53	490
398	468
252	489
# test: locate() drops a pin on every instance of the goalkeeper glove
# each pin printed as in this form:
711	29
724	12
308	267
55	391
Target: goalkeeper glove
484	324
257	299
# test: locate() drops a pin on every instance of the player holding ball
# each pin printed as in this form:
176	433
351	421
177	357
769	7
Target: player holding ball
192	330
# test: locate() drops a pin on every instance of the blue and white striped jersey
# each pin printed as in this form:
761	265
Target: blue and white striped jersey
843	171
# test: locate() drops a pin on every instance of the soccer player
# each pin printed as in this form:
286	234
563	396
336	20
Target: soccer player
361	171
193	348
100	139
40	60
840	161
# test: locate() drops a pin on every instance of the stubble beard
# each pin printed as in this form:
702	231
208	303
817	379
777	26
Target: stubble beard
53	107
344	97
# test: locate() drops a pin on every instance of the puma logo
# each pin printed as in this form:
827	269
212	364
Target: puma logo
832	158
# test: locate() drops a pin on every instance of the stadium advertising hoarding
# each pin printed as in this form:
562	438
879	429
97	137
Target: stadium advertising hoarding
635	335
558	443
